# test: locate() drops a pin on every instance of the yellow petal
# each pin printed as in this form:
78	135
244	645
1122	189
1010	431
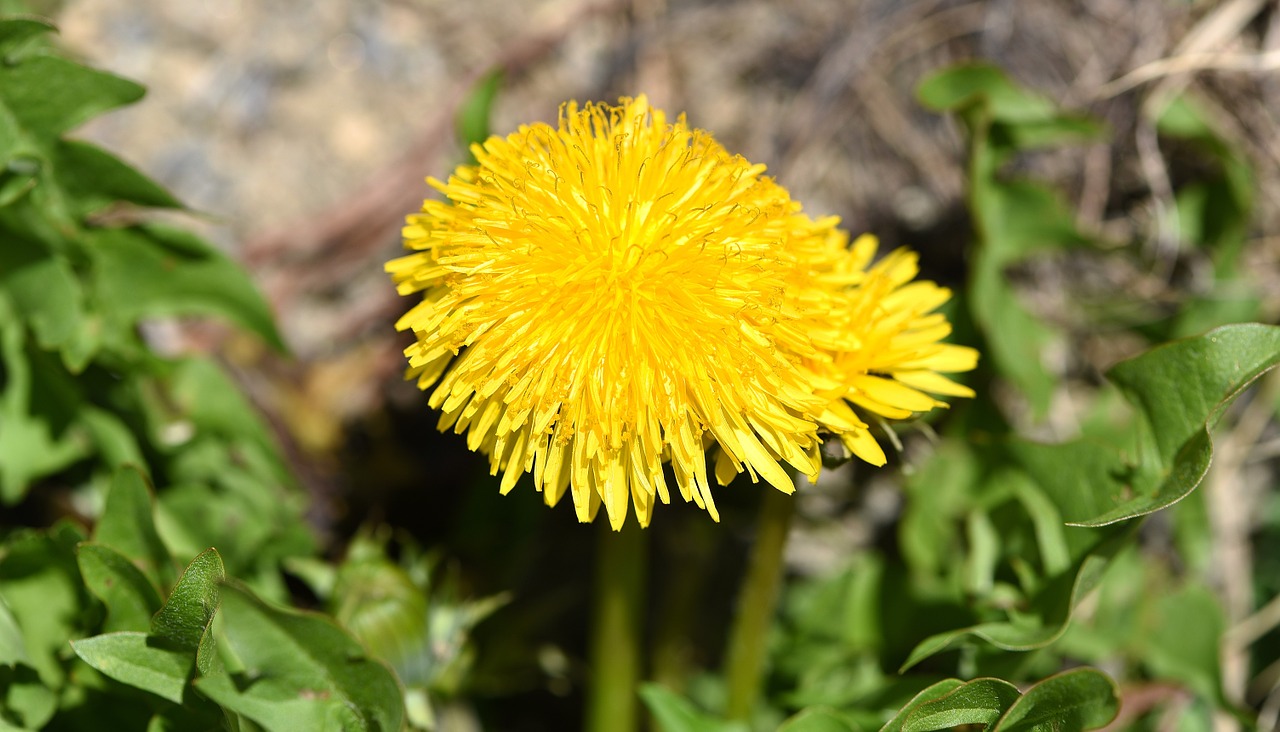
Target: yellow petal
932	383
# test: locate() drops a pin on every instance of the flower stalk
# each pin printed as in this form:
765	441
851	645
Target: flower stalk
615	647
757	601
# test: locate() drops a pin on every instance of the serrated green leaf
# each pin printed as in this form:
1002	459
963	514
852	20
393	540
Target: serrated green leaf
673	713
127	525
934	691
154	270
300	666
50	95
130	597
94	179
981	701
133	658
1076	700
817	719
182	622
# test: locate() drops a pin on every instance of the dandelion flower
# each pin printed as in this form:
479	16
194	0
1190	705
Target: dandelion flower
618	292
897	358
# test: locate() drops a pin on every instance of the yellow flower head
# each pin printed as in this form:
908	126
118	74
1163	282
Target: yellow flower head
619	292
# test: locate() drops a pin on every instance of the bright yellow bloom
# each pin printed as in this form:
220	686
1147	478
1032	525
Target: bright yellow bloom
896	355
619	292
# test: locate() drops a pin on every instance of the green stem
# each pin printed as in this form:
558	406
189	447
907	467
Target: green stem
745	657
612	702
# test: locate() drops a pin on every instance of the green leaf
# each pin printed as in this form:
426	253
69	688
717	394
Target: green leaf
380	605
130	597
50	95
25	699
673	713
980	701
183	621
43	290
1051	538
20	171
1012	219
258	526
817	719
301	671
1047	613
935	691
965	86
1083	478
41	585
116	443
1232	300
1180	390
1183	632
1183	386
475	111
279	706
1015	220
135	659
13	650
94	179
31	444
1061	129
214	403
1226	200
154	270
1080	699
127	526
23	696
984	553
16	30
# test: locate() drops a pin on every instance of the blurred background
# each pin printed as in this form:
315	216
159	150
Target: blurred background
302	132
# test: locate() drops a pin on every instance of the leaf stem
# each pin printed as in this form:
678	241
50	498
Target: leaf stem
748	638
614	655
